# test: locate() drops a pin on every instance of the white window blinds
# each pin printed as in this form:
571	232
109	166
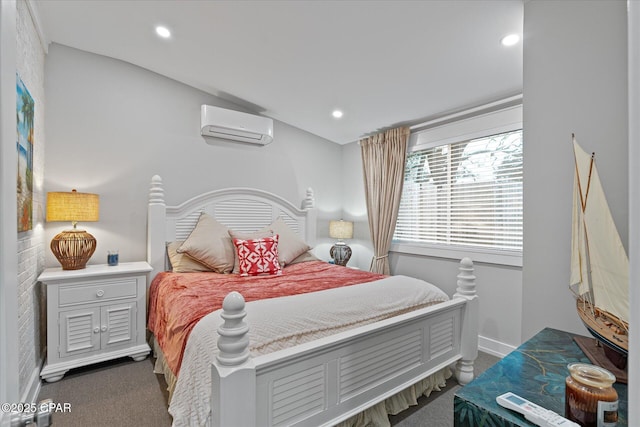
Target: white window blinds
465	193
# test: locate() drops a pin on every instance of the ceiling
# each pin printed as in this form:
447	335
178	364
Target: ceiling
383	63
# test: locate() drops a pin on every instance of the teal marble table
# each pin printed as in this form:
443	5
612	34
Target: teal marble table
536	371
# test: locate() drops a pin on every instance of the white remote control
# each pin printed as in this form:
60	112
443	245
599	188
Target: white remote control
532	412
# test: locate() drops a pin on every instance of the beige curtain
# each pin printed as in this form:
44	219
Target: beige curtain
383	159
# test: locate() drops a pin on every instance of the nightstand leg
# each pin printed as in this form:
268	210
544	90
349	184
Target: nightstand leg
52	378
140	356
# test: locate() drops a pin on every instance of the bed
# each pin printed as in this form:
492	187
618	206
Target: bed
310	344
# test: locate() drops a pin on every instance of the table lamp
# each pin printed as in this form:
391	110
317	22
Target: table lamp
73	248
340	252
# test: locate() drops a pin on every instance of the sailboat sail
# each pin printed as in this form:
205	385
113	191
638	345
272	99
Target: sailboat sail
599	263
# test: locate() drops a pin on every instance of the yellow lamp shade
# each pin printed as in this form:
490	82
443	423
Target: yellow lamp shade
73	248
73	206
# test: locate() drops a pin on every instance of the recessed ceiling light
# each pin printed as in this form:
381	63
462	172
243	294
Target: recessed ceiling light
163	32
337	114
510	40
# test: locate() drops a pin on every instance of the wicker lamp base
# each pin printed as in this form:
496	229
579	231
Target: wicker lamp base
73	248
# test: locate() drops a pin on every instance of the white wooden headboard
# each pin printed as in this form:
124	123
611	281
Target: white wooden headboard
240	209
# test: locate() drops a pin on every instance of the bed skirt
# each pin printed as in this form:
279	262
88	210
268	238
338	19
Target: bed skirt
377	415
161	367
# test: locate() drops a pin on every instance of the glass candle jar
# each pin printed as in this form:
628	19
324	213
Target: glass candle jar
590	398
112	258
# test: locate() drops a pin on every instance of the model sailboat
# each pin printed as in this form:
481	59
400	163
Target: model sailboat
599	263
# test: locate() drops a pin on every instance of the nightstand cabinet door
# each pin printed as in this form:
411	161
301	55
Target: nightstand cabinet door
79	331
118	326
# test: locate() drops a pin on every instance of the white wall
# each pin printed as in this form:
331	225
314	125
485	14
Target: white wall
633	38
575	81
9	391
111	126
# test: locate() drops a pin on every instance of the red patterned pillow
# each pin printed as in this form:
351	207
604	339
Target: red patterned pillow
258	256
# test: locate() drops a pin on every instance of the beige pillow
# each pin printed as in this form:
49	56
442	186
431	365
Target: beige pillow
290	246
307	256
265	232
182	263
209	244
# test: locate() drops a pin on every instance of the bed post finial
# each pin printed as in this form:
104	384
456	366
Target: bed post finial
156	192
234	340
466	279
309	201
233	373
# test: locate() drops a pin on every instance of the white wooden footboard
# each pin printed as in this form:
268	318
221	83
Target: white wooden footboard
328	380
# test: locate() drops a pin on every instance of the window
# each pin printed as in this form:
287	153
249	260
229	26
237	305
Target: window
464	195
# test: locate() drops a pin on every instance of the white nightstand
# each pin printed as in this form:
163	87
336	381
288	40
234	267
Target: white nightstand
94	314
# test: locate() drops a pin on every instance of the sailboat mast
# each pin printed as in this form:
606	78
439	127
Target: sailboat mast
583	206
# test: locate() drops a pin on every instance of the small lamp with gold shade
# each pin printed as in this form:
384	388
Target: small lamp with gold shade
340	252
73	248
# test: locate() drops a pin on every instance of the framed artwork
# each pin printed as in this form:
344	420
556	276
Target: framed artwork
24	134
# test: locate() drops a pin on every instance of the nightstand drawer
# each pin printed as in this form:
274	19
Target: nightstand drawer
98	291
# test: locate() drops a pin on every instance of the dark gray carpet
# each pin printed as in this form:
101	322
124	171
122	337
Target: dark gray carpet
116	393
127	393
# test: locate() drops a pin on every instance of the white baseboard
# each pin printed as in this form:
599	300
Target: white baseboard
493	347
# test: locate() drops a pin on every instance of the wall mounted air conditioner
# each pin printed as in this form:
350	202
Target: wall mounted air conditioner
221	123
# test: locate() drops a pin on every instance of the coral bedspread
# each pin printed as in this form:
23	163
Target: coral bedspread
177	301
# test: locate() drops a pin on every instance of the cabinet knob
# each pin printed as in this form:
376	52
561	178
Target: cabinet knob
104	328
100	293
96	330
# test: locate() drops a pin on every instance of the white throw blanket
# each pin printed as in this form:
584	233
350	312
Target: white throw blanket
279	323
